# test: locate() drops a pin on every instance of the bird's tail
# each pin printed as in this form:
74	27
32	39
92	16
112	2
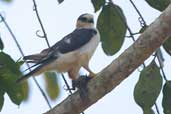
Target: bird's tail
34	57
31	73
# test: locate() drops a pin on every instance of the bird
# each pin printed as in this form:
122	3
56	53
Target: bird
70	53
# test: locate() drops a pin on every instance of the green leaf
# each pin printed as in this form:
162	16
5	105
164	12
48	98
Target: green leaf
158	4
167	46
166	102
148	111
60	1
25	90
2	92
111	25
148	86
97	4
7	1
9	73
52	86
7	62
1	45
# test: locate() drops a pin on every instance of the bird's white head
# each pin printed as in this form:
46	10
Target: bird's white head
85	21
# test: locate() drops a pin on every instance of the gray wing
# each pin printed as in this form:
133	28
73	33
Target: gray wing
72	41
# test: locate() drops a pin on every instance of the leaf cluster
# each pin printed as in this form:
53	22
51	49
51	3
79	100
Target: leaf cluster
9	73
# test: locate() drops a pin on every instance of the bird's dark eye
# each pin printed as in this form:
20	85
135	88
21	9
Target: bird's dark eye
83	19
91	21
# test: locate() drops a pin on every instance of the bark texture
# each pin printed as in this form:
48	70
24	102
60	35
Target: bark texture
120	68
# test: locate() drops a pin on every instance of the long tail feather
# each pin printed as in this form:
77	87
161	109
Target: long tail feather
28	75
39	69
33	57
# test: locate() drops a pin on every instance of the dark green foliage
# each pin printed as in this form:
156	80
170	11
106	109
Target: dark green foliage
1	45
148	87
2	92
148	111
52	86
167	46
7	1
158	4
111	25
9	72
166	102
97	4
60	1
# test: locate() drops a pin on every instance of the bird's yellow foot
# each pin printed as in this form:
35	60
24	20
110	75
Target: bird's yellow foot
81	84
92	74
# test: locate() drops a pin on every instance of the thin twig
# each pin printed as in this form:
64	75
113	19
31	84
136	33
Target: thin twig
40	22
138	12
157	109
68	88
22	53
143	24
161	68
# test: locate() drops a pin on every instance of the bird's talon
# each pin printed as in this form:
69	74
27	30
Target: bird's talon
92	75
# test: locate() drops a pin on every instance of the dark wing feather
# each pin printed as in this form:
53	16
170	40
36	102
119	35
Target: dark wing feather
74	40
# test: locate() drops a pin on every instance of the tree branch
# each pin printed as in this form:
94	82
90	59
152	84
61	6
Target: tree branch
121	67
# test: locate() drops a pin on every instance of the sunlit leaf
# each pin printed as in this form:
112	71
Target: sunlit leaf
167	46
25	90
158	4
13	90
148	86
166	102
111	25
97	4
24	85
9	73
7	62
60	1
52	86
1	45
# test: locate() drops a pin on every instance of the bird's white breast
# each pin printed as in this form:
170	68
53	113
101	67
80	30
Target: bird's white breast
77	57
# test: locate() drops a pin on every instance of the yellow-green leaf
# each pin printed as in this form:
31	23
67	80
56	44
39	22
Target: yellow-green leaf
52	87
111	25
25	90
158	4
97	4
9	73
148	86
166	102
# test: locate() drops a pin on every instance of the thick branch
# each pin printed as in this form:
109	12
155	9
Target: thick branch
120	68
